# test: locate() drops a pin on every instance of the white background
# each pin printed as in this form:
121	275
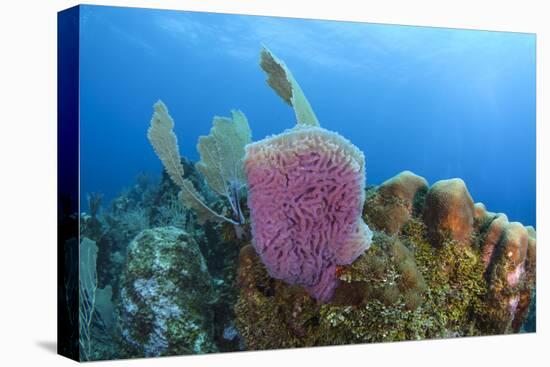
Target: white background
28	182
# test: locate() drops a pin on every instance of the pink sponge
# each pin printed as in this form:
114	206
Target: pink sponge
306	194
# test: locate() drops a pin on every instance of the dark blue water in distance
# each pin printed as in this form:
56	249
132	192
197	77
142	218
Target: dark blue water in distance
442	103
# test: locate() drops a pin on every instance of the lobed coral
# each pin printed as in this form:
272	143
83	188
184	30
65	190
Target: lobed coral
449	211
438	264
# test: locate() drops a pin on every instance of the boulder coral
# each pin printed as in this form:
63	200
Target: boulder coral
437	265
392	204
165	295
405	186
449	211
392	292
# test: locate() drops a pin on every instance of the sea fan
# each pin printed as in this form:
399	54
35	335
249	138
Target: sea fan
283	83
221	153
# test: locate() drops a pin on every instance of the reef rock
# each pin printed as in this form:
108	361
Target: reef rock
306	195
165	296
507	279
449	212
392	204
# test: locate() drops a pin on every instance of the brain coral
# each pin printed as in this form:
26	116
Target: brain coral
306	194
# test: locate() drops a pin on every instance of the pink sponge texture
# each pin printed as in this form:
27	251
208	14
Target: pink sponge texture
306	194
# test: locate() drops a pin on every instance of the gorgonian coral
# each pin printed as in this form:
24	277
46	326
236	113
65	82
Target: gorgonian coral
283	83
221	161
222	153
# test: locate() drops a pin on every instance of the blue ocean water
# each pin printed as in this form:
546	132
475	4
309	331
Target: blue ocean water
439	102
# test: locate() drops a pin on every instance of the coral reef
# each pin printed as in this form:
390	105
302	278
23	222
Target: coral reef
166	295
406	286
264	245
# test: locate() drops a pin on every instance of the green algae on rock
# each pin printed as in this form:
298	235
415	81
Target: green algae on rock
165	296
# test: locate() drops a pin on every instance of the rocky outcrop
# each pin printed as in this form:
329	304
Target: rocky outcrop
166	295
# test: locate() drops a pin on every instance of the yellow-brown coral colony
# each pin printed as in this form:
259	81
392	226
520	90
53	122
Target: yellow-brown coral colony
439	266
